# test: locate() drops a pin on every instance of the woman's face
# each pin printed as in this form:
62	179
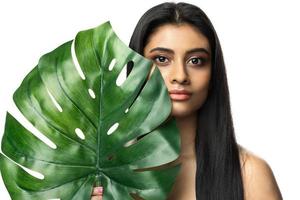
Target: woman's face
182	54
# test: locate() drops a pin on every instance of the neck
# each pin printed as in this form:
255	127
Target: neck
187	127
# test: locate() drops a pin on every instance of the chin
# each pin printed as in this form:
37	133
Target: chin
181	113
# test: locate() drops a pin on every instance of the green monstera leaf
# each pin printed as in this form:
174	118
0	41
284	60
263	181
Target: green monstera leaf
104	131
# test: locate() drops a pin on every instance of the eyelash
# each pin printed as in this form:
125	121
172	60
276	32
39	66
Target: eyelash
155	59
202	60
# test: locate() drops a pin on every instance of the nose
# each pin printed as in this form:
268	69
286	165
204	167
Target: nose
179	74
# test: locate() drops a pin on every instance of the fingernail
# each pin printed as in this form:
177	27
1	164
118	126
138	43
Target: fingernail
99	189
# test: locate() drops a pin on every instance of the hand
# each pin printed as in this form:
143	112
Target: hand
97	193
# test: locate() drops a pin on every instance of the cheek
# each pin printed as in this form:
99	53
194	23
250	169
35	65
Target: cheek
164	73
201	91
200	98
201	84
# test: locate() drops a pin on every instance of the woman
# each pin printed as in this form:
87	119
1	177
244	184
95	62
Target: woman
183	44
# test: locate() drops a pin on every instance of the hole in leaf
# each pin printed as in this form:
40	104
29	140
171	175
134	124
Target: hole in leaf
112	128
47	141
75	61
110	157
122	76
126	111
55	102
135	196
130	142
129	68
28	125
33	173
135	140
112	64
79	133
138	94
160	167
92	93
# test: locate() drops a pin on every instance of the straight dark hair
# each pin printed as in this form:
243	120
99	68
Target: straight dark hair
218	174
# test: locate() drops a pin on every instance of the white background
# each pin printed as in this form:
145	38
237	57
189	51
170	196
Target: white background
260	42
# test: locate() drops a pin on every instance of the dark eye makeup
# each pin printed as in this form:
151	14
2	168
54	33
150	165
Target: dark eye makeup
195	61
199	61
160	59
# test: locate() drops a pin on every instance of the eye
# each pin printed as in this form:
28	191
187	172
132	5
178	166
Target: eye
197	61
160	59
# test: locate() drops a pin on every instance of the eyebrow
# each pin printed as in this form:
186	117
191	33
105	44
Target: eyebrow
195	50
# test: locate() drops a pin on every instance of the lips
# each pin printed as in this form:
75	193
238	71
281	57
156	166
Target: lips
179	95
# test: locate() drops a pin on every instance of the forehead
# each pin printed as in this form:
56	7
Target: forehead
183	36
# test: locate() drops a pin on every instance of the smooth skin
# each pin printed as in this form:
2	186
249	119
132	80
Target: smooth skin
183	56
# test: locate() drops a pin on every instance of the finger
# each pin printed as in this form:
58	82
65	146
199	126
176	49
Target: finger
97	191
96	198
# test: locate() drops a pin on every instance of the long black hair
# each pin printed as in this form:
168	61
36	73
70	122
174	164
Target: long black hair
218	175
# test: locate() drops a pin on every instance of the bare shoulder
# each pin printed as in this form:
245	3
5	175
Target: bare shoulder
258	178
